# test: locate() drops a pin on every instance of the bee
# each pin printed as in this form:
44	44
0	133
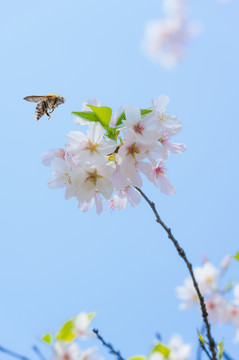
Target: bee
45	104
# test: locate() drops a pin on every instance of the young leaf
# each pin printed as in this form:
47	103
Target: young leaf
66	332
236	256
145	111
86	115
120	119
162	349
220	349
47	338
229	286
103	113
91	316
201	338
137	357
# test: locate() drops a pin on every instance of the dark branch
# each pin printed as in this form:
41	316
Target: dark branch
38	352
226	356
109	346
12	353
182	254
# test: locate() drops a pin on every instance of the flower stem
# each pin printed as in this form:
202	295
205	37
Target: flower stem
181	252
109	346
12	353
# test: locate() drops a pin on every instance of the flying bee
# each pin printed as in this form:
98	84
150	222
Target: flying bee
45	104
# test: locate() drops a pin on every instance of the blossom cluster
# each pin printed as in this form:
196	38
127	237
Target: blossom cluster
65	344
165	40
176	349
221	307
108	160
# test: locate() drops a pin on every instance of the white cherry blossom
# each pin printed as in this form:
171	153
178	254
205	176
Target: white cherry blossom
63	351
92	147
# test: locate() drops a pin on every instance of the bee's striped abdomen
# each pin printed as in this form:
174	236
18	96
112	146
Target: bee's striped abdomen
40	110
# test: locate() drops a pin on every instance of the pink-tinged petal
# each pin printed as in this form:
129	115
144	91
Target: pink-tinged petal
175	147
132	114
48	156
157	154
76	139
80	121
107	146
70	192
119	200
98	203
146	169
162	102
93	101
127	167
56	181
133	196
137	180
105	187
60	165
164	185
118	179
84	206
95	132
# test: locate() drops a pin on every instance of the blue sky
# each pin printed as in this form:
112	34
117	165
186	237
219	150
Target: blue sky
56	261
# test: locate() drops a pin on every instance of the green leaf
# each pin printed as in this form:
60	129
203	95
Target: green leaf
66	332
145	111
86	115
162	349
220	349
236	256
91	316
112	133
201	338
229	286
103	113
47	338
137	357
120	119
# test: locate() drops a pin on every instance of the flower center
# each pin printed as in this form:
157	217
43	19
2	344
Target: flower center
159	170
163	116
66	179
92	177
139	128
60	153
133	149
91	146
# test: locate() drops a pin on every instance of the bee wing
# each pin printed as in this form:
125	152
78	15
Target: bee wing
34	98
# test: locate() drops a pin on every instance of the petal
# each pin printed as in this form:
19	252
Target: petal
133	196
98	203
75	139
105	187
95	132
132	114
164	185
162	102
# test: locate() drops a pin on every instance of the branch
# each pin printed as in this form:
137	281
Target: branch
182	254
109	346
11	353
38	352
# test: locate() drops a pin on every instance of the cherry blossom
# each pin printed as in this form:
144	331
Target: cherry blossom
65	351
106	162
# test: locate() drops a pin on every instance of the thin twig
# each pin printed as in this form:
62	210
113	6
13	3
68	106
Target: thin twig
182	254
109	346
226	356
38	352
12	353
